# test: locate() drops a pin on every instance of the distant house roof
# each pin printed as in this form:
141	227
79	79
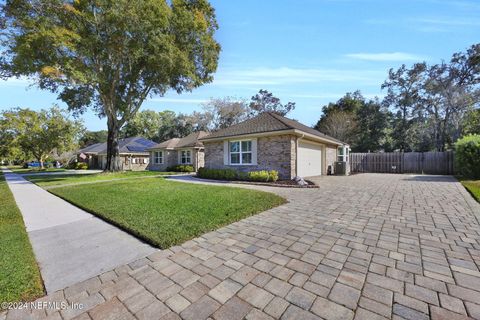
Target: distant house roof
192	140
133	145
267	122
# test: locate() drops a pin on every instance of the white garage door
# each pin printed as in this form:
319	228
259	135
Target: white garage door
309	159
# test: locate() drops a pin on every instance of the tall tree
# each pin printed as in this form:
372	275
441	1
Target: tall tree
226	111
362	124
403	86
110	55
450	91
339	124
372	125
265	101
41	133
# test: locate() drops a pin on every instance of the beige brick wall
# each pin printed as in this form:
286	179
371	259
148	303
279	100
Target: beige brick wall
330	157
273	153
200	154
170	158
128	164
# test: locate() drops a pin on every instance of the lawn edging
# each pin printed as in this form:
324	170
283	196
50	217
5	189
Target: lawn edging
277	184
20	277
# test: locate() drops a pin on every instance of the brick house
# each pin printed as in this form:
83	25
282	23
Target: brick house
184	151
272	142
133	154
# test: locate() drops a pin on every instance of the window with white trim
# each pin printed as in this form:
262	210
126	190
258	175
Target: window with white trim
343	153
240	152
186	157
158	157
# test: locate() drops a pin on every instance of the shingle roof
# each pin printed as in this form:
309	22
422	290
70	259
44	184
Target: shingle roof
267	122
94	148
130	145
189	141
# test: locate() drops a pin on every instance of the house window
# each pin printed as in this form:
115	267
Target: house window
158	157
186	157
343	153
241	152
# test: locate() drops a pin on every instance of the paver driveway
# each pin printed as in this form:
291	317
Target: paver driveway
368	246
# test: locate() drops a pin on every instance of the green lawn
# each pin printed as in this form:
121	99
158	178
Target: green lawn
56	180
20	278
36	170
473	186
164	212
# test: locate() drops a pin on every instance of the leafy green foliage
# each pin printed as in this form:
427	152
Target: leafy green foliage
81	166
263	176
20	278
217	174
433	102
225	112
231	174
170	212
92	137
110	55
41	133
265	101
427	107
471	124
467	156
181	168
361	123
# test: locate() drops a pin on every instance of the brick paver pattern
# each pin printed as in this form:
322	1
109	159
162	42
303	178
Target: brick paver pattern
367	246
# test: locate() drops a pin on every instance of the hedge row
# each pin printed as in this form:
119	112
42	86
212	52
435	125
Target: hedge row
231	174
181	168
78	166
467	156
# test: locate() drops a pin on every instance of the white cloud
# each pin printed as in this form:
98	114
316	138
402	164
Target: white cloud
287	75
179	100
386	56
334	95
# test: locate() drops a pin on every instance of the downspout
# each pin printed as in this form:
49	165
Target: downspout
296	154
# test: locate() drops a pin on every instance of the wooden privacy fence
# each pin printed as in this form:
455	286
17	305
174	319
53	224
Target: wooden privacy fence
400	162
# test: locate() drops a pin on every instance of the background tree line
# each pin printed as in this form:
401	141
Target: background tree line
426	108
216	114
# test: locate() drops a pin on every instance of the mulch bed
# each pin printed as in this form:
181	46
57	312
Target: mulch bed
280	183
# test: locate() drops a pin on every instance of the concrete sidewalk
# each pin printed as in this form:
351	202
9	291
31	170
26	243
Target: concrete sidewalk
70	244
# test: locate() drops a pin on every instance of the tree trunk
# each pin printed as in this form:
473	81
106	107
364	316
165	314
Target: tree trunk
40	160
113	157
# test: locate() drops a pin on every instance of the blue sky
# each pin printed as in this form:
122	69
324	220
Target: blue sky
307	51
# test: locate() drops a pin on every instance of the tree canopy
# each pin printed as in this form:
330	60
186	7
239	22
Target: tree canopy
92	137
110	55
39	134
426	107
265	101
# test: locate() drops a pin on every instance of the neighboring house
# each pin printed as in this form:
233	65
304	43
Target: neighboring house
272	142
186	151
133	154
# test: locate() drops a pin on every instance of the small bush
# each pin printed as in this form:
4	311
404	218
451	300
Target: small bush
273	175
467	156
181	168
217	174
258	175
81	166
231	174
